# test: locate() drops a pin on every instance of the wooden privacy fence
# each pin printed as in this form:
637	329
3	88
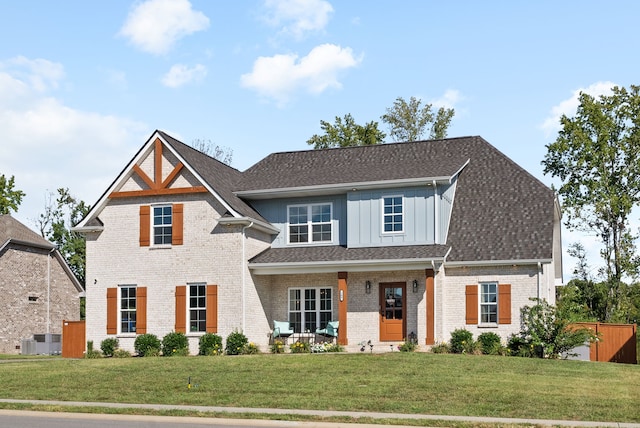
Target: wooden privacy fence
73	337
616	342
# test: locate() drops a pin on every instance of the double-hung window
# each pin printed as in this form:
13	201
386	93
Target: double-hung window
128	309
197	307
162	224
310	308
309	223
392	214
488	303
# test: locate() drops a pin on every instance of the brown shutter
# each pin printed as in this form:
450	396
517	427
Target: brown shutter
145	225
181	309
177	232
471	301
504	304
112	310
212	308
141	310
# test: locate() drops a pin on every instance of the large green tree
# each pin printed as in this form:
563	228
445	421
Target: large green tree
596	156
345	133
10	198
55	225
409	121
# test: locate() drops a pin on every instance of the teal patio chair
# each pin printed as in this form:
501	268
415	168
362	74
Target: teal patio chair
282	329
330	330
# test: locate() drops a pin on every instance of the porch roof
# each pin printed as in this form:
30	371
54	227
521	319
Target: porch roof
339	258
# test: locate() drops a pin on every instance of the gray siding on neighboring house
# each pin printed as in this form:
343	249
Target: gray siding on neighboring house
364	222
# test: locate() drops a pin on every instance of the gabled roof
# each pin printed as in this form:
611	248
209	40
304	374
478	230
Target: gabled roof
12	230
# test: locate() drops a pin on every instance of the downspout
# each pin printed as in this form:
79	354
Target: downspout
49	289
538	276
244	275
436	206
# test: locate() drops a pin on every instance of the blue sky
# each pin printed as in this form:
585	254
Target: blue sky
84	84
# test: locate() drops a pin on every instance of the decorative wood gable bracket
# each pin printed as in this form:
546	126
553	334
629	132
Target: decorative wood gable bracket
157	186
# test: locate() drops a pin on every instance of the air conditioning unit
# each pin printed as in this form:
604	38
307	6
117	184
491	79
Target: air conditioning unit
28	347
48	344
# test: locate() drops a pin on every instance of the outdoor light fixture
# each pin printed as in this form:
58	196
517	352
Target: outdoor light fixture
367	287
415	285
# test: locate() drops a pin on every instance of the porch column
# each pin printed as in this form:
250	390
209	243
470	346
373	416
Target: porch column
342	308
430	305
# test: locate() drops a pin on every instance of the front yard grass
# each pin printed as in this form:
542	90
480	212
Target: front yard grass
421	383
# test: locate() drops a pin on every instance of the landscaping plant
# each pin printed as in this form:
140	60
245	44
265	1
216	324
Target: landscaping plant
147	345
109	345
236	342
175	344
210	344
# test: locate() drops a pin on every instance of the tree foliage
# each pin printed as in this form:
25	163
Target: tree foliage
597	158
223	154
408	121
55	225
346	133
10	198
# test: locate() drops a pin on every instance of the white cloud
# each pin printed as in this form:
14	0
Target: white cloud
155	26
568	107
279	76
449	99
181	74
47	144
298	17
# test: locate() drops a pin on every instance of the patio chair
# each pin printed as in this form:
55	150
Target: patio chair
282	329
330	330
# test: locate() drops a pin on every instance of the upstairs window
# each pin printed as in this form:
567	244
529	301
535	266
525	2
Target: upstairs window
162	224
393	217
310	223
488	303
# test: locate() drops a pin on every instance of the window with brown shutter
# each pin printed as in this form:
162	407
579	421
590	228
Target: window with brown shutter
176	238
145	225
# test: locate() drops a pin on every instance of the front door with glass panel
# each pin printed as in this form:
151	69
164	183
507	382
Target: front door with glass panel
392	311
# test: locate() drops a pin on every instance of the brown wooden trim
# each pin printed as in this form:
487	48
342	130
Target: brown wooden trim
212	309
143	175
112	310
172	176
431	306
157	163
157	192
342	308
471	303
504	303
177	232
145	225
181	309
141	310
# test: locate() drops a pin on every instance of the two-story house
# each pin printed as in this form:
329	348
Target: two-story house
390	240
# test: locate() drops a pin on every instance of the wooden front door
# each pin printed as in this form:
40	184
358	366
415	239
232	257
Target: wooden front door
392	311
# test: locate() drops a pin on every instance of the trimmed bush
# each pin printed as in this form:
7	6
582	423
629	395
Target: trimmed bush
236	343
109	345
461	342
175	344
210	344
147	345
490	343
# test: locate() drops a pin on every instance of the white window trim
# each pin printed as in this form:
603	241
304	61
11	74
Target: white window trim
318	310
152	238
310	223
119	311
393	232
188	326
480	304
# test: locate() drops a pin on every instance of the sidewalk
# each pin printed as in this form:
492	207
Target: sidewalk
329	413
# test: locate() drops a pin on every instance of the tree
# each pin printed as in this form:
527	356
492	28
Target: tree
408	121
346	133
597	158
10	199
55	225
223	154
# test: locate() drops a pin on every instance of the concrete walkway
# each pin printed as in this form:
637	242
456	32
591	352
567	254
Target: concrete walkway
329	413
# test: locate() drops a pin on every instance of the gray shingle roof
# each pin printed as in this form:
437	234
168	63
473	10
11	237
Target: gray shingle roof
12	229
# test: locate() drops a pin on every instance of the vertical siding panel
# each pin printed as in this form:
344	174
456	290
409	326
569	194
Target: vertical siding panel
181	309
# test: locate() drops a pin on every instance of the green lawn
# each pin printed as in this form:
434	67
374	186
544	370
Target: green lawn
393	382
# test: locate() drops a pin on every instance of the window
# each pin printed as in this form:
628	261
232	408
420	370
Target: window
197	307
310	308
392	214
128	309
309	223
162	224
488	303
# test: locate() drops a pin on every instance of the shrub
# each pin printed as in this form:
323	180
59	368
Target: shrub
462	342
299	348
277	347
236	342
251	348
407	346
518	347
147	345
121	353
210	344
175	344
490	343
109	345
91	353
333	347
